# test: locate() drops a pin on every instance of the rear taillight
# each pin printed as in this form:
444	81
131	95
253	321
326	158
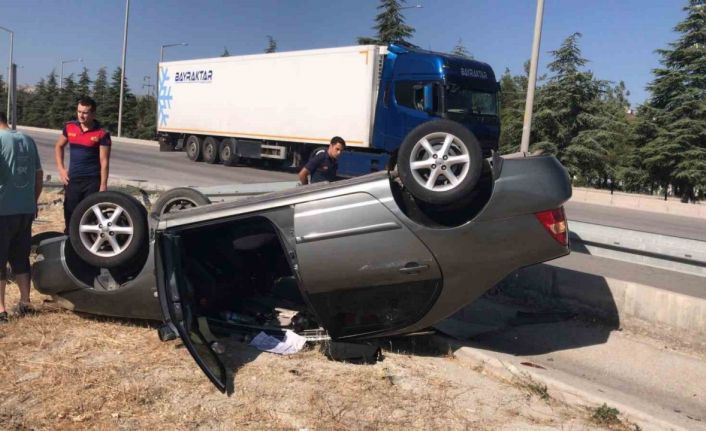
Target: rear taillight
554	221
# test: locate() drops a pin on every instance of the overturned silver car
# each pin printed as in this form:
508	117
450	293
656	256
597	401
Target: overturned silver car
359	258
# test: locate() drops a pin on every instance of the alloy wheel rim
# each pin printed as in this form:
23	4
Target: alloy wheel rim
106	229
439	162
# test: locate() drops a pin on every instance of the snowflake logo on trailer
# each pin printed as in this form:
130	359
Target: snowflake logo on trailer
165	97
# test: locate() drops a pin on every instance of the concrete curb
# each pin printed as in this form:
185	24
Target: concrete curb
627	303
559	390
114	139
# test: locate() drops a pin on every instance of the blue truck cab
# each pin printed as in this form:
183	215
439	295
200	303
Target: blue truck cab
418	86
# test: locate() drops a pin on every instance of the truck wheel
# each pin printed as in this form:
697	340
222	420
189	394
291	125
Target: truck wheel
193	148
227	152
178	199
439	162
210	150
108	229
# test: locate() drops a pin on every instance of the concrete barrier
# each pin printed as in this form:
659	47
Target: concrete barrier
639	202
114	138
659	251
619	302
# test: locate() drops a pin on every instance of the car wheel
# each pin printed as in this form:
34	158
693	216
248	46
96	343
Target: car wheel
193	148
227	152
439	162
108	229
210	150
178	199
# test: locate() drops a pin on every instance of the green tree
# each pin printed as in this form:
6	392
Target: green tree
225	52
64	104
109	116
676	154
271	45
567	120
513	90
83	87
24	99
390	25
460	50
55	118
35	113
100	90
145	114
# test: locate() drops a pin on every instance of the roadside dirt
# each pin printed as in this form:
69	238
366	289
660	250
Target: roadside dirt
66	370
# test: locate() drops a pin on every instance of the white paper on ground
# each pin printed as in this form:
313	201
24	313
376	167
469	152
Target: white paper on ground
292	343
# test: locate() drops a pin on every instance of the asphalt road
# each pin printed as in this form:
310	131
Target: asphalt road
145	164
665	224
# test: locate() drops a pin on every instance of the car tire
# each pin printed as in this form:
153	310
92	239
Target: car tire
439	162
227	152
94	222
193	148
178	199
210	150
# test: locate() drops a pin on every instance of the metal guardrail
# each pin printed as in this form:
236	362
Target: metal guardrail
660	251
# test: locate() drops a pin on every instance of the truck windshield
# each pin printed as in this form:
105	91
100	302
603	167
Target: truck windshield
462	101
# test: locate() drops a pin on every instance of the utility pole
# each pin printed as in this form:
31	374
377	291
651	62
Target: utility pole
10	83
146	84
527	125
122	71
61	76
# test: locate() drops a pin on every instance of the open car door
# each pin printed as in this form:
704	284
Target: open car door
180	313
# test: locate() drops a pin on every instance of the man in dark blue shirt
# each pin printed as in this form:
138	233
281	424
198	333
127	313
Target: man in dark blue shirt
89	149
323	166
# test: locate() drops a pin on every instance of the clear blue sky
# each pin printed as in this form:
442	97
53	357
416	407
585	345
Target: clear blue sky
619	36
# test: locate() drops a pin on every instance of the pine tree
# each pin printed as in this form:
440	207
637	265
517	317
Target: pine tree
271	45
24	99
55	115
513	90
109	115
460	50
64	104
566	121
676	155
83	87
100	90
225	52
145	113
35	113
390	25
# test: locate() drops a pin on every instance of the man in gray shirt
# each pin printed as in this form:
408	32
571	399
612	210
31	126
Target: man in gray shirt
20	187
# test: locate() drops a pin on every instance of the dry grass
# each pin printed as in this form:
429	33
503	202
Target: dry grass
64	370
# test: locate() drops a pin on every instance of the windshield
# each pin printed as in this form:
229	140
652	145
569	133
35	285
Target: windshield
464	101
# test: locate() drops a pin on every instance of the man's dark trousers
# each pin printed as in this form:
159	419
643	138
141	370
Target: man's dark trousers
75	192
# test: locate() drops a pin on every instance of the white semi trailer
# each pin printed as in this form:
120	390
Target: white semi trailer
284	105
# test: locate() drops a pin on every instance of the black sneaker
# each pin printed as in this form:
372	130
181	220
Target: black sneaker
3	317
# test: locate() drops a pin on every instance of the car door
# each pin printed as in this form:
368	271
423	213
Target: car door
361	269
175	298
